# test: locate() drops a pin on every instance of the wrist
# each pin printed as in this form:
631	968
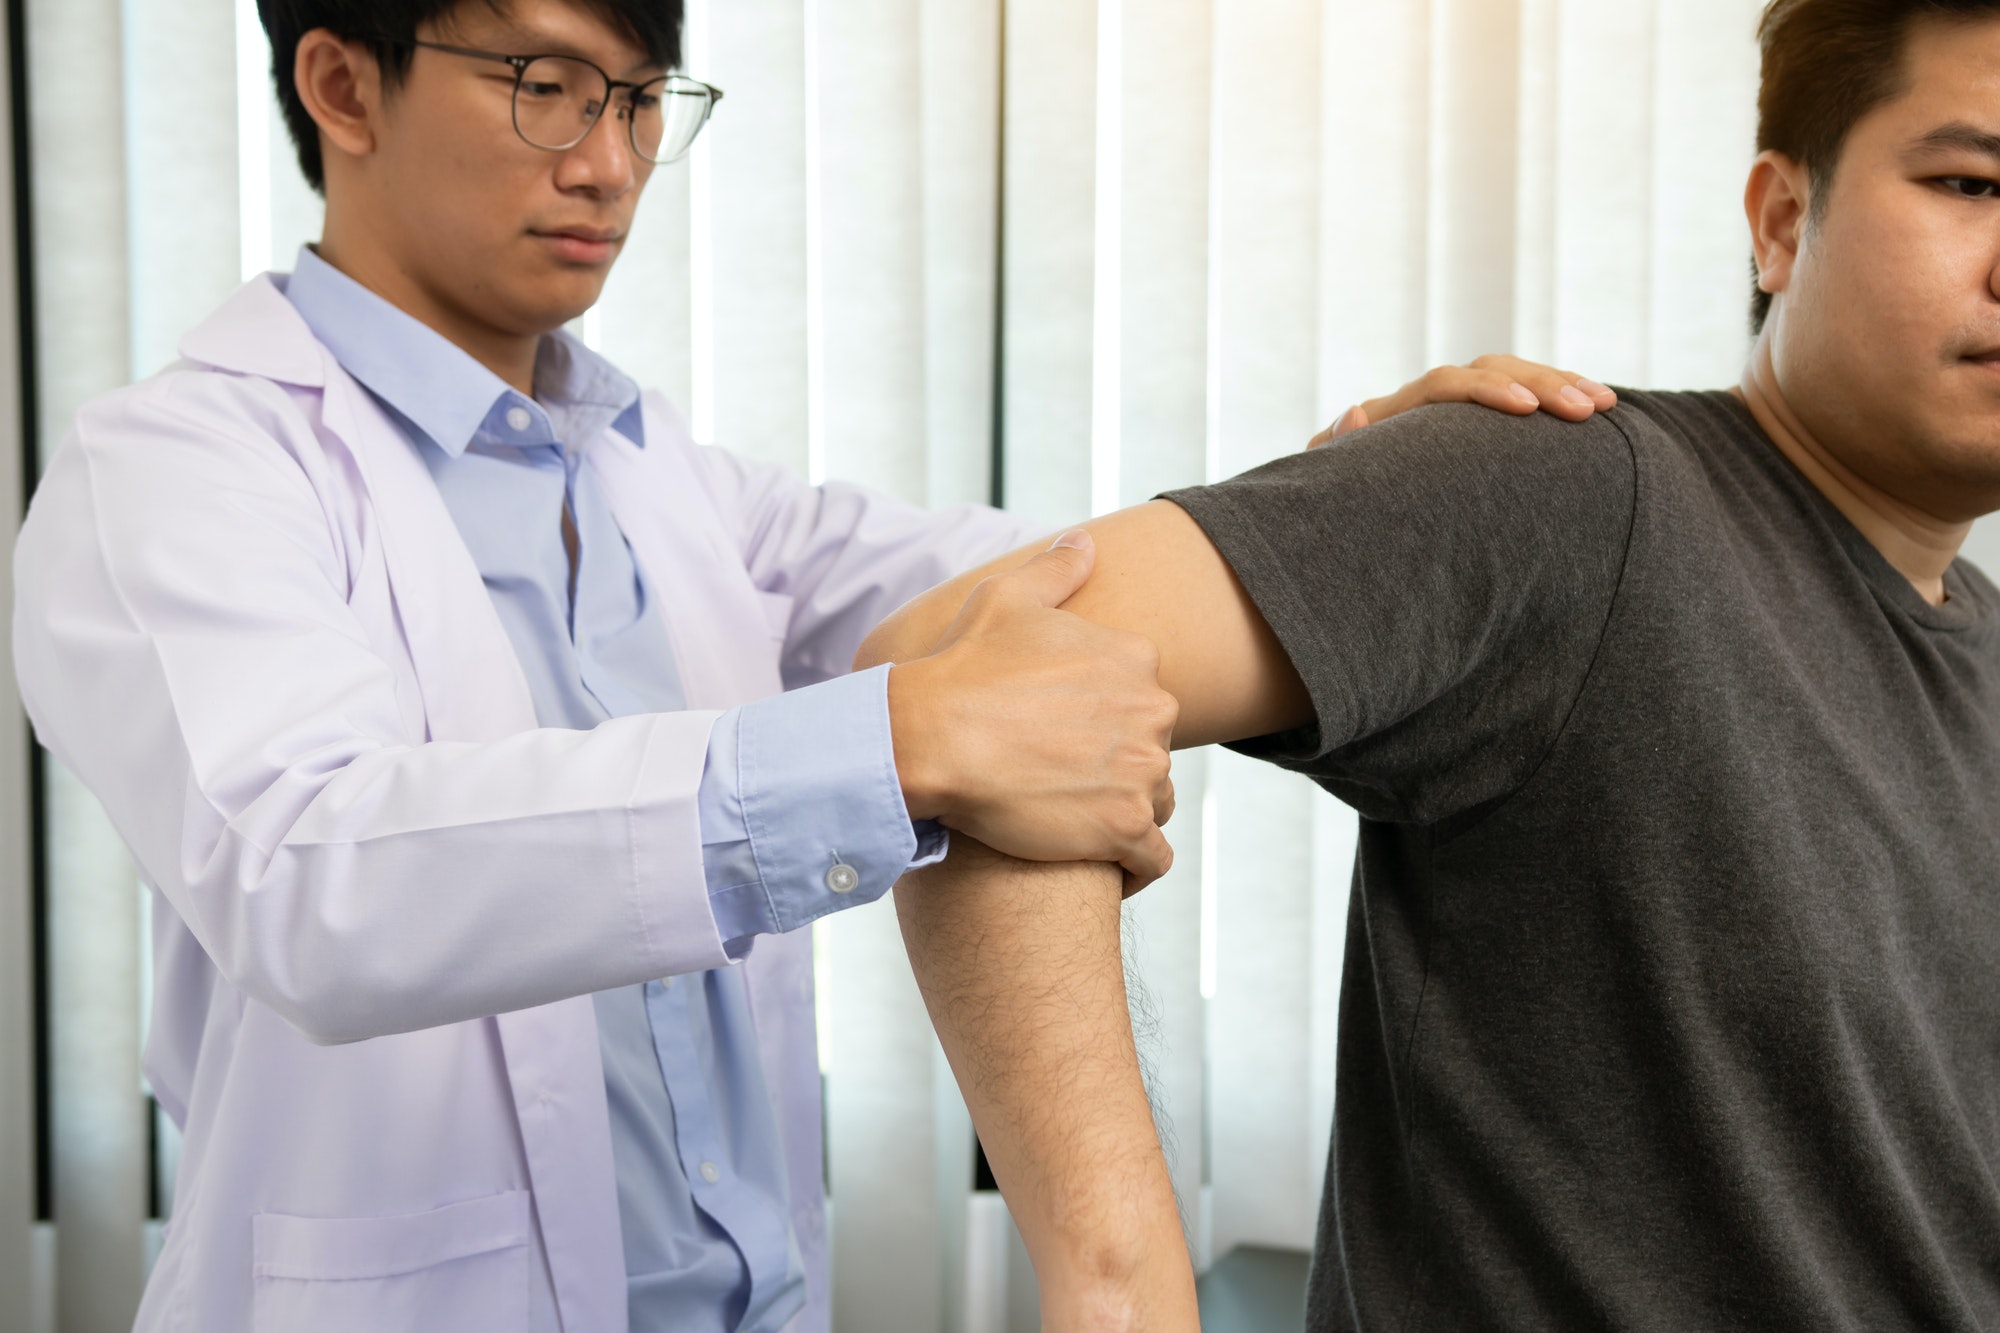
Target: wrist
914	739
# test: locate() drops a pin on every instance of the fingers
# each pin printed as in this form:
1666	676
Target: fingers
1456	384
1504	383
1350	421
1560	393
1147	860
1163	802
1053	577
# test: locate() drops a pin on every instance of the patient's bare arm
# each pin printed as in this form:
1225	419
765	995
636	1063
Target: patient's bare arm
1020	968
1020	962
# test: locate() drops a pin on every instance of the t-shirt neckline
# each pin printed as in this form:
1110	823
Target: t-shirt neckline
1960	610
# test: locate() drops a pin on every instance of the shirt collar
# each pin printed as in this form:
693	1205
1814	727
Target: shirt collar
438	387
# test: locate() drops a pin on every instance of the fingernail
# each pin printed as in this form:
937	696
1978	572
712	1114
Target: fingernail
1076	539
1575	397
1351	420
1594	389
1523	395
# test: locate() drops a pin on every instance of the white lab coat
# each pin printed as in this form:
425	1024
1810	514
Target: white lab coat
245	619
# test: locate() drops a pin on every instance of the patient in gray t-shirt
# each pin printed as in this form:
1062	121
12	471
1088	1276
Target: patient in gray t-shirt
1672	993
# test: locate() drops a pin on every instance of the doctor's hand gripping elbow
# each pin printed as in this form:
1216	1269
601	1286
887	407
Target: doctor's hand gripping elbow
1039	733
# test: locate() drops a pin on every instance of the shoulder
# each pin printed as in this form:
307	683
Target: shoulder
190	439
194	406
1441	475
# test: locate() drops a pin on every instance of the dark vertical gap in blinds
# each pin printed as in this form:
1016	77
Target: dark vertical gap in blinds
982	1172
30	428
155	1195
997	483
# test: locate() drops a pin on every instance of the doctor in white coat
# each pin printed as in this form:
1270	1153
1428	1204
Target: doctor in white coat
434	678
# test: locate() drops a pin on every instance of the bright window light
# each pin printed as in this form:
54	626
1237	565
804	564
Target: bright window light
253	141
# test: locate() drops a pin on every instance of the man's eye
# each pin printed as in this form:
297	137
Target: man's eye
1971	187
541	89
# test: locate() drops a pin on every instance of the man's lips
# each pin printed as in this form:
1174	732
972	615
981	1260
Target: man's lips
582	245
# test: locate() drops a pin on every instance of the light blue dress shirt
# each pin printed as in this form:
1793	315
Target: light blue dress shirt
702	1194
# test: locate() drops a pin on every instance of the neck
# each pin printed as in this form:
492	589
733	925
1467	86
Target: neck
511	356
1918	545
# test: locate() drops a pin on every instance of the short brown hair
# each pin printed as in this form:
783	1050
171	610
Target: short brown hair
1828	63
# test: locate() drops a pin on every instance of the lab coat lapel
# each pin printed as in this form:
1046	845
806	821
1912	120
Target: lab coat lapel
473	690
722	643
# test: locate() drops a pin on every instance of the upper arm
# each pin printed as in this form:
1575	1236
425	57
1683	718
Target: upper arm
1156	574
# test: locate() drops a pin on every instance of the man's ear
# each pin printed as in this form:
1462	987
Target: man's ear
1777	201
340	83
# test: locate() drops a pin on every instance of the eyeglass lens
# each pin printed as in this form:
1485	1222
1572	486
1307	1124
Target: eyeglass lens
558	99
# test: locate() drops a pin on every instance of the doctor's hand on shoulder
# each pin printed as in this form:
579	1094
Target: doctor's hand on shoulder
1035	731
1509	384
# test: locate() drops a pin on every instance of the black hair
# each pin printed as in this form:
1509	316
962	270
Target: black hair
386	27
1828	63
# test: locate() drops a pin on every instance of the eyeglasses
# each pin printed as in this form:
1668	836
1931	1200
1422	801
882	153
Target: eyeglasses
558	100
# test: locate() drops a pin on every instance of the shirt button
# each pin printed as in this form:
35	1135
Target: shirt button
711	1172
518	418
843	878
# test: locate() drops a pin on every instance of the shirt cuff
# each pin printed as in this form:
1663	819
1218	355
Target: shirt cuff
797	784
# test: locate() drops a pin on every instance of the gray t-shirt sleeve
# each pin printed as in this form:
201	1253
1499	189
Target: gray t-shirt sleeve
1441	581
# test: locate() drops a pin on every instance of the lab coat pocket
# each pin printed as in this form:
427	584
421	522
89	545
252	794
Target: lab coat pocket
463	1266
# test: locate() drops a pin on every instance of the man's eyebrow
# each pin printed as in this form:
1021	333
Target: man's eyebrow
1958	135
528	42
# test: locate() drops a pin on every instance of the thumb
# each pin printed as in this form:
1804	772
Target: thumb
1053	577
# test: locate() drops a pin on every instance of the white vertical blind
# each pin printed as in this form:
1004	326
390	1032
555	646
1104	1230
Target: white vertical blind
1473	98
88	320
1048	224
1164	239
757	150
959	69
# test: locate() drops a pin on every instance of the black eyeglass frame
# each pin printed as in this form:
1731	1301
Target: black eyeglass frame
611	87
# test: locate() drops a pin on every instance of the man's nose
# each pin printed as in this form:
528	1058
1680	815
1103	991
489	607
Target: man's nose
602	161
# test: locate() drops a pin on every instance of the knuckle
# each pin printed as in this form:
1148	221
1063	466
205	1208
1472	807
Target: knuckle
1138	651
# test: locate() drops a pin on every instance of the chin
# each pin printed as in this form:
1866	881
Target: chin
550	306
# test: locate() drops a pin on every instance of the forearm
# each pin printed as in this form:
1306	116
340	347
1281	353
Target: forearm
1021	970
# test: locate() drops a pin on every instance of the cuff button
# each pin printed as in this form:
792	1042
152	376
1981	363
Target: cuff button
842	878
